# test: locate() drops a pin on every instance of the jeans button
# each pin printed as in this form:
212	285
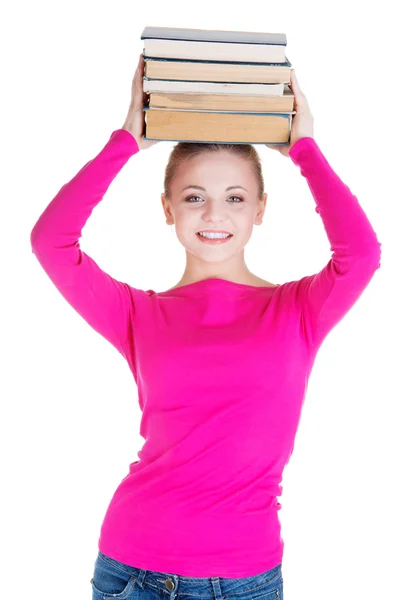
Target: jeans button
170	584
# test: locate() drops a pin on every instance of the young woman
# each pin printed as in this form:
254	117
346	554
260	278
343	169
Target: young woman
221	360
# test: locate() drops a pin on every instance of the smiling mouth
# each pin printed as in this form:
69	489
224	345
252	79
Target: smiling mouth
214	240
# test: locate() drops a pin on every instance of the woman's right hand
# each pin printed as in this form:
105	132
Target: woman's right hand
135	119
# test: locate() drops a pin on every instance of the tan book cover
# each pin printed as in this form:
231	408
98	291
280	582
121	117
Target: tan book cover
183	70
234	102
225	127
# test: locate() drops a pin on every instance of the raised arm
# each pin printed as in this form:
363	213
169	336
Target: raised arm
327	296
104	302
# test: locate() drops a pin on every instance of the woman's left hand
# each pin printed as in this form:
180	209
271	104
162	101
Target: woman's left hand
303	121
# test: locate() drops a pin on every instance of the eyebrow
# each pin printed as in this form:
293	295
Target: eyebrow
198	187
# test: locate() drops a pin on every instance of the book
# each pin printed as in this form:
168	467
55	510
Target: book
231	102
217	126
209	87
221	71
233	88
213	44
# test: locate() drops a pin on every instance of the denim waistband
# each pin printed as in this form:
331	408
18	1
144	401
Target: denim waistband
205	586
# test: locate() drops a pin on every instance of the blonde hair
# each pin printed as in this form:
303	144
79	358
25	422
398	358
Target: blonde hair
186	150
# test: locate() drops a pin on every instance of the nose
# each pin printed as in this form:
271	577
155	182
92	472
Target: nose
213	214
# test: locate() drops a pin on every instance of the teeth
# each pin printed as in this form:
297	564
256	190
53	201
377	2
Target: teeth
214	235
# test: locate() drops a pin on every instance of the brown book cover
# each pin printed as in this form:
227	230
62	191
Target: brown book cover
217	127
230	102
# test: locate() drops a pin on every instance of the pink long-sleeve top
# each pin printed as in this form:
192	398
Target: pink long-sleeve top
221	370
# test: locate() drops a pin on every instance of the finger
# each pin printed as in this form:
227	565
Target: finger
138	70
138	77
294	78
298	91
295	84
300	100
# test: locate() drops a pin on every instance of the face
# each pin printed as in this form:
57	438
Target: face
215	207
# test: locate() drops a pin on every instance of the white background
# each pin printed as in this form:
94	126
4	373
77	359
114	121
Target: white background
70	416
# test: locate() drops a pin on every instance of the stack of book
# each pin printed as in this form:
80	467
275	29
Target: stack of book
216	86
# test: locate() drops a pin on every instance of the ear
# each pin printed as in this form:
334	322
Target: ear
167	209
261	209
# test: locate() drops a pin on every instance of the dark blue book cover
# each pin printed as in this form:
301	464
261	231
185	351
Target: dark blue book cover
287	63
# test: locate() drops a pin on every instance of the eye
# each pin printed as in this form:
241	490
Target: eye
190	197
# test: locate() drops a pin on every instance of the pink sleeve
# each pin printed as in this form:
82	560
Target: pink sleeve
104	302
328	295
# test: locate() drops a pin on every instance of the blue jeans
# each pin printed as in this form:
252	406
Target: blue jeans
113	579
